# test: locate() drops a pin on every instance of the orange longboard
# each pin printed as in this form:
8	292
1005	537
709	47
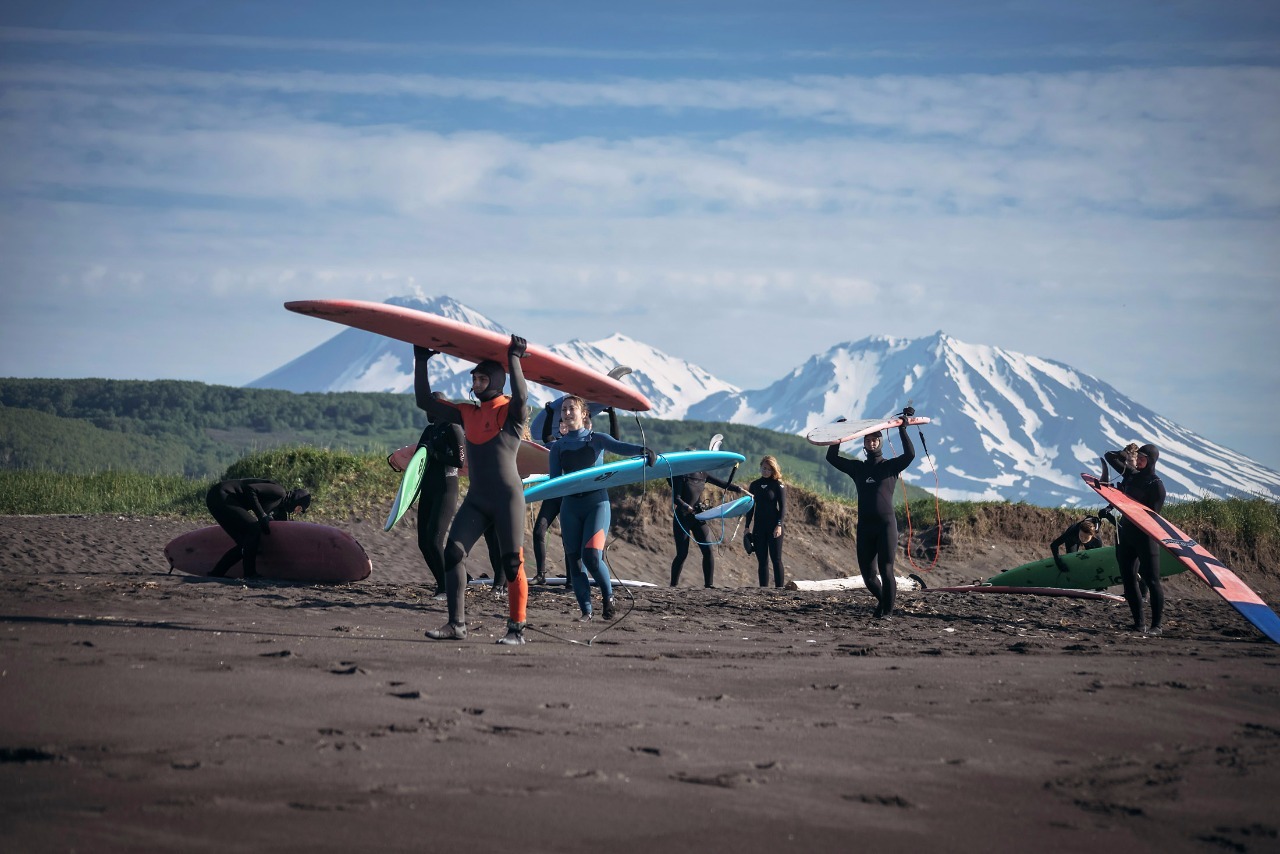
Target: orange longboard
473	344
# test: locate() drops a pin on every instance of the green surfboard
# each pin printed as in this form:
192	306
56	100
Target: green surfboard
409	486
1087	569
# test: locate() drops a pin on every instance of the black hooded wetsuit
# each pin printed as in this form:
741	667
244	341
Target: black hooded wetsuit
492	430
877	531
686	490
768	512
1138	553
240	506
438	498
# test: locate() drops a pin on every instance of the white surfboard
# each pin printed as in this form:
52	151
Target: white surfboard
839	432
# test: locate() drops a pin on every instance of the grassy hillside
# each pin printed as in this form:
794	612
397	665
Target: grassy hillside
196	430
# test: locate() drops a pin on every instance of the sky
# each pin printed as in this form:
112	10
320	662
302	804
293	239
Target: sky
740	184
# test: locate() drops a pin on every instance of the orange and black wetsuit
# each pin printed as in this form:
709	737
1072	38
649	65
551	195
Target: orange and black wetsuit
496	496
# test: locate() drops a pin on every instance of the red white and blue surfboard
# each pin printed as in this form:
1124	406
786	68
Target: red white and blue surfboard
1198	559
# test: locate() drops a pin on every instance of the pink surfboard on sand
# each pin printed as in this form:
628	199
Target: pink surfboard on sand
473	344
293	551
531	459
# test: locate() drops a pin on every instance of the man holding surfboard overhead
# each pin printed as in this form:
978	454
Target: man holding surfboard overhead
244	508
1137	552
877	530
492	428
584	516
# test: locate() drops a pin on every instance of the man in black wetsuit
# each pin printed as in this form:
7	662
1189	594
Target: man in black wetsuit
877	530
1085	534
244	508
438	495
1138	553
493	431
686	489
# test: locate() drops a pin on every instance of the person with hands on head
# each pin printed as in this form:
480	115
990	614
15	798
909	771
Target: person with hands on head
1137	552
244	508
686	492
768	513
492	430
585	516
877	528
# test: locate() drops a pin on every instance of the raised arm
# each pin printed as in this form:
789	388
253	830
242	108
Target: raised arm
519	390
439	410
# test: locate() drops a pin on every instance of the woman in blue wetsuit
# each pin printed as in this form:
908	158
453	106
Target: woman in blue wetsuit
768	512
877	530
584	517
492	429
1137	552
550	509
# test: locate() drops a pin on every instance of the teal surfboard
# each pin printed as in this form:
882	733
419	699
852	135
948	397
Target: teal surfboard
729	510
1087	569
631	470
409	486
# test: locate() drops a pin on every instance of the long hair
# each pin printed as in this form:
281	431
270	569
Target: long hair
576	403
775	470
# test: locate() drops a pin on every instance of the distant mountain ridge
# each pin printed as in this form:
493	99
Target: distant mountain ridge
1008	426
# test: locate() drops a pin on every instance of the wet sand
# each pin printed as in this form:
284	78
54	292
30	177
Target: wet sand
147	711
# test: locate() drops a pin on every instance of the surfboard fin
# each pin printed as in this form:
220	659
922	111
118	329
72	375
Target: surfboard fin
1106	471
618	372
716	441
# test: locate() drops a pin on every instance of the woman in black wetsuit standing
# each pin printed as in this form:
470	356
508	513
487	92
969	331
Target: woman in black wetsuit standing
768	512
1138	553
877	530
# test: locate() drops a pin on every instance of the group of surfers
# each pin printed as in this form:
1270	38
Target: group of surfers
484	435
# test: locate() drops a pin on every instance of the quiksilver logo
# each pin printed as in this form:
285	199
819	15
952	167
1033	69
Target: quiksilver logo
605	476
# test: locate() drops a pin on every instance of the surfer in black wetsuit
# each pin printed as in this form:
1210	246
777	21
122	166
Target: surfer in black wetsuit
877	530
438	495
768	513
1138	553
492	429
1084	534
550	509
686	491
244	508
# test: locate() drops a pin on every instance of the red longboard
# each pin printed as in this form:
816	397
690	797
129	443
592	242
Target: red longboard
294	551
1198	559
531	459
473	344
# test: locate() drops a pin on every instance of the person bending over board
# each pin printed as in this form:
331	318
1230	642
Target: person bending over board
438	495
584	517
877	530
548	510
492	429
686	491
244	508
767	513
1085	534
1137	553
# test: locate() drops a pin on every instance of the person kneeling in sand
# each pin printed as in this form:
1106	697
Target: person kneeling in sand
244	508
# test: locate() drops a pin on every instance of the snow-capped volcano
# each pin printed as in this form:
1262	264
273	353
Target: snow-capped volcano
1007	425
